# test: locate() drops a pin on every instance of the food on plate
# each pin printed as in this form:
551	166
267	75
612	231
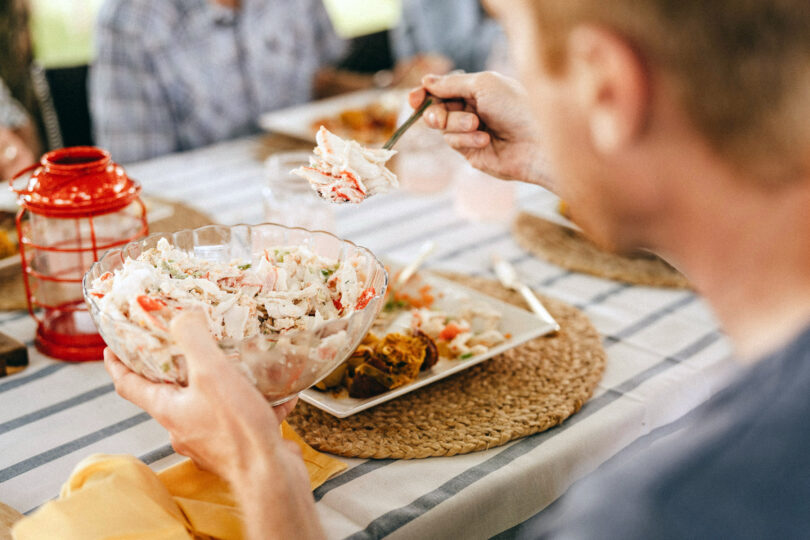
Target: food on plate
344	171
563	209
470	332
7	245
8	234
416	334
372	124
460	328
282	290
379	365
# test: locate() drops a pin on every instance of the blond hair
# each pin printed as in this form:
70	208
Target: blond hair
742	68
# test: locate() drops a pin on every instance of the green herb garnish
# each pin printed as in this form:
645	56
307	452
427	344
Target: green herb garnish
244	266
393	305
172	272
466	355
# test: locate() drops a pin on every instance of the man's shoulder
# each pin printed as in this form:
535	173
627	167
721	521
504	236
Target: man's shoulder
133	17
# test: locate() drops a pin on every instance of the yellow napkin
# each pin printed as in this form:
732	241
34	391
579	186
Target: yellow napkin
120	497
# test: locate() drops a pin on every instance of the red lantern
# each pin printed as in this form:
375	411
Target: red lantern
74	205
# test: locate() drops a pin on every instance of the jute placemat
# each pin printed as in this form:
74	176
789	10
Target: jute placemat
528	389
12	291
568	248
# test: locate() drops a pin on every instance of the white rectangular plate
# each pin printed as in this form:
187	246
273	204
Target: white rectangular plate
548	209
522	325
297	121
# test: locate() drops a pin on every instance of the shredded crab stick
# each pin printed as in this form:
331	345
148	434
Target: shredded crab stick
343	171
282	289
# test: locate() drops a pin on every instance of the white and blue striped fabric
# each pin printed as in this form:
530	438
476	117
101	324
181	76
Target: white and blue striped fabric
666	355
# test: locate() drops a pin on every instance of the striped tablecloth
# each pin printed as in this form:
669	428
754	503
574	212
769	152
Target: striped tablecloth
665	356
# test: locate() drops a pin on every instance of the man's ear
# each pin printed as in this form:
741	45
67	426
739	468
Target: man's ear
611	86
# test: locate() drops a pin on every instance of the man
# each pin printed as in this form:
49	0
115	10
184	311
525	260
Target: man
675	126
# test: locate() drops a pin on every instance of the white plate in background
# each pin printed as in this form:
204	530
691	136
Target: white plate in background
297	121
548	208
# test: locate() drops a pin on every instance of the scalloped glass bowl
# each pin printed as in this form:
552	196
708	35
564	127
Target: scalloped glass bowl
280	366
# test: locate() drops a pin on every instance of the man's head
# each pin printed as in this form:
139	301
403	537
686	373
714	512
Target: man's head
624	87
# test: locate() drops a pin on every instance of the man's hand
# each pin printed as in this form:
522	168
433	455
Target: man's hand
224	424
486	117
15	154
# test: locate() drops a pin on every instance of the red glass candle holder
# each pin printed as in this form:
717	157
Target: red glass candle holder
75	204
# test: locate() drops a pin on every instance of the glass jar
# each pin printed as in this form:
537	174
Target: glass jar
480	197
289	199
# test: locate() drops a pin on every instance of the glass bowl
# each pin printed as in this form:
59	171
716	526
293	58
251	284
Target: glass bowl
280	365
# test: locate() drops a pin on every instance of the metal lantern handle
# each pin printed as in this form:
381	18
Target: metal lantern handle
18	221
20	174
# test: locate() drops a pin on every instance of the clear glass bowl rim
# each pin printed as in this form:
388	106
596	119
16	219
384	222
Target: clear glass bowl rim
92	301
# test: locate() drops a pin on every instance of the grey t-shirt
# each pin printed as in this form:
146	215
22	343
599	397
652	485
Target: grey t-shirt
737	467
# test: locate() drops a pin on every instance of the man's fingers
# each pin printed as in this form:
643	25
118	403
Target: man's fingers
439	117
416	97
461	122
436	116
293	448
284	409
190	331
452	86
460	141
146	394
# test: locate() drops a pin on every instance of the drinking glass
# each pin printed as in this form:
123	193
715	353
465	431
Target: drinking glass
480	197
289	199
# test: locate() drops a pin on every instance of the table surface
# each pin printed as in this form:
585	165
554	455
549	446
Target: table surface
665	351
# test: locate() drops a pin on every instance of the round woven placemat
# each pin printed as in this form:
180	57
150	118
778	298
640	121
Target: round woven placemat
526	390
567	248
12	291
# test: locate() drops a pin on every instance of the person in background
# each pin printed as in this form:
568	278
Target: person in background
445	27
172	75
18	143
433	37
28	123
179	74
680	127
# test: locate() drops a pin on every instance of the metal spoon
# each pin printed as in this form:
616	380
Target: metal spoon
407	123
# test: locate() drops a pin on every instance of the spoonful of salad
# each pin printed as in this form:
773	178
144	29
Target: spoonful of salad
344	171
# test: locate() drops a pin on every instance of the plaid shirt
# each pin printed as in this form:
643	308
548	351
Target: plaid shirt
177	74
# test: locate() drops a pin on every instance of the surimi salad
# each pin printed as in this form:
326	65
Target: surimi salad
343	171
280	291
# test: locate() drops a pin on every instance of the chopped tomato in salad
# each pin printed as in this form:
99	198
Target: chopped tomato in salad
365	298
150	304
